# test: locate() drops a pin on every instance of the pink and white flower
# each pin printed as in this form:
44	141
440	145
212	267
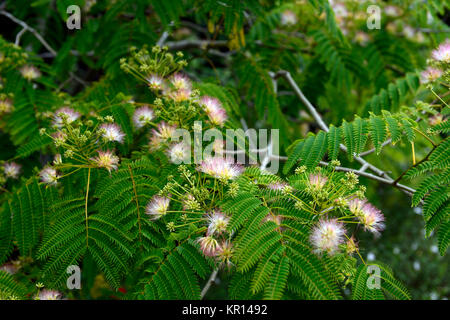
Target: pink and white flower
277	186
12	170
142	116
442	53
356	205
327	235
317	181
362	38
430	74
69	114
369	216
209	246
155	82
157	207
180	95
218	117
409	32
59	138
209	103
49	176
164	131
112	132
180	81
214	110
30	72
57	160
224	253
217	223
6	106
9	267
288	18
220	168
180	153
340	11
106	159
49	295
392	11
436	119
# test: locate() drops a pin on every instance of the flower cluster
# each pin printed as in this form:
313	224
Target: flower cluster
177	104
6	104
81	143
220	168
336	199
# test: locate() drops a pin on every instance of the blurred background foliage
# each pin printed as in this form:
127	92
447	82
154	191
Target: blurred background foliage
325	45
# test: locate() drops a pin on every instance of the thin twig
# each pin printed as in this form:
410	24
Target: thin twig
381	175
318	118
365	153
30	29
19	35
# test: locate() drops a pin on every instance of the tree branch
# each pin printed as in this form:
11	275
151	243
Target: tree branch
381	175
30	29
208	284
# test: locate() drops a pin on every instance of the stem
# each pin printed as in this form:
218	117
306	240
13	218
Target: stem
208	284
86	207
425	136
137	202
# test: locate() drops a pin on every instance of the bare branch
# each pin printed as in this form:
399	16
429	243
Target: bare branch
208	284
365	153
381	175
28	28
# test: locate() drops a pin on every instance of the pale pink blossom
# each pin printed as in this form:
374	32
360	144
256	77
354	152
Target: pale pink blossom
49	176
220	168
106	159
317	181
369	216
209	103
65	112
112	132
49	295
164	131
362	38
430	74
157	207
214	110
6	106
327	235
180	95
12	170
179	153
392	11
442	53
180	81
30	72
9	267
288	18
217	223
142	116
218	117
224	253
277	186
155	82
209	246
